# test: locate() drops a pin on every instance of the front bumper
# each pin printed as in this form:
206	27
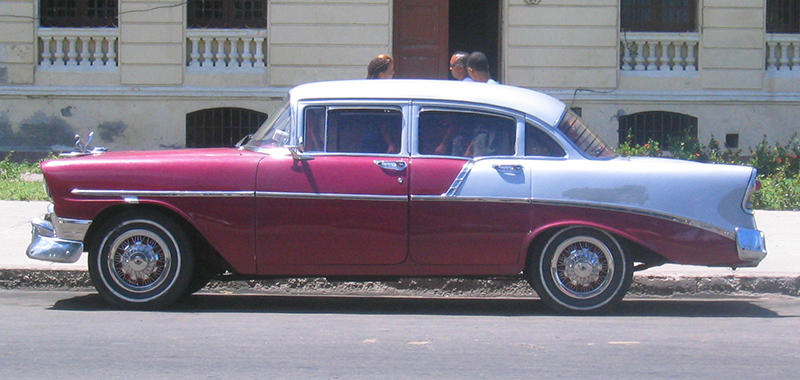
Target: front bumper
751	245
57	239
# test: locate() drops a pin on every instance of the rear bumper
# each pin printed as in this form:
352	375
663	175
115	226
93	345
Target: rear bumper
751	246
59	242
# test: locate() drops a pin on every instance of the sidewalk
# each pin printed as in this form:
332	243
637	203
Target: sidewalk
778	273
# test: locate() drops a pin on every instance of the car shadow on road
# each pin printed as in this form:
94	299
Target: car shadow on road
327	304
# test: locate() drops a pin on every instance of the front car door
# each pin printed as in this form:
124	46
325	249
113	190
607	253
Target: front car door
345	202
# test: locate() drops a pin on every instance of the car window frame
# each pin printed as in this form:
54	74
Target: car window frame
420	106
350	104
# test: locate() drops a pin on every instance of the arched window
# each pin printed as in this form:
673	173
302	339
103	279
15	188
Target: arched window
221	127
658	126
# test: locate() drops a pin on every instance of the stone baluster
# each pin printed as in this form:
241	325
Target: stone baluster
690	59
98	52
679	59
771	60
639	56
626	57
85	55
72	53
784	60
208	44
59	52
651	56
259	55
194	56
221	52
247	57
46	54
796	56
111	56
233	60
665	66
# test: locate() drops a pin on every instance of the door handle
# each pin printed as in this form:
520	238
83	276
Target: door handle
391	165
507	168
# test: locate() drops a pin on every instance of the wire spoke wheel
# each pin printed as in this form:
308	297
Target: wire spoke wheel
580	270
138	260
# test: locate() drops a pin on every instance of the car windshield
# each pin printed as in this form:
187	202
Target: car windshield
584	138
275	131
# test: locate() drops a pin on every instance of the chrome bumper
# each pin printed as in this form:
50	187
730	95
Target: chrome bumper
751	245
46	238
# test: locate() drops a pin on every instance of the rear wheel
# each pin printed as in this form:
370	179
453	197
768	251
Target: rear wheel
580	270
141	260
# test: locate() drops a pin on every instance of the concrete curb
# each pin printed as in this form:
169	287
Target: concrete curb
657	285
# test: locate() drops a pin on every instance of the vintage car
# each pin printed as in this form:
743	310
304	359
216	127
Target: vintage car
383	179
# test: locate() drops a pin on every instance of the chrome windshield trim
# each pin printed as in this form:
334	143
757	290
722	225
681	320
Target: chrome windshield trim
333	196
162	193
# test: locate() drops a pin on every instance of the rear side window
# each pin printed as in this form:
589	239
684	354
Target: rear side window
466	134
539	143
353	130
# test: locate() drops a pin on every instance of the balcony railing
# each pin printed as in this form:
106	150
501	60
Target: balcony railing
783	52
659	51
226	49
93	48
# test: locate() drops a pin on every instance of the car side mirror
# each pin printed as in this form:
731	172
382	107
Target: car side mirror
297	153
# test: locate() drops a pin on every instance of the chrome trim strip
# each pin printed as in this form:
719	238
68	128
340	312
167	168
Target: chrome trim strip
462	175
161	193
332	196
447	198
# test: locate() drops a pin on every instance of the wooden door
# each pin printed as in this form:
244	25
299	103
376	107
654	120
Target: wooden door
420	39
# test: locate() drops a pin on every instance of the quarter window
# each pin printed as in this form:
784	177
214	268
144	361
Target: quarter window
658	15
466	134
539	143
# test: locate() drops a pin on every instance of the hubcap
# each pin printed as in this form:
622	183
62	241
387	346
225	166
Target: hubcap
139	260
582	267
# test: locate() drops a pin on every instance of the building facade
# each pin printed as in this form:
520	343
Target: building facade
153	74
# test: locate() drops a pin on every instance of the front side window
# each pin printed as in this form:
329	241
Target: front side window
78	13
466	134
227	14
373	130
658	15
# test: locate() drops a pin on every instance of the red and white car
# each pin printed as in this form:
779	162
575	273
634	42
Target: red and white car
397	178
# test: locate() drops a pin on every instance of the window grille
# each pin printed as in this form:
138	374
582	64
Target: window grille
227	14
783	16
78	13
221	127
658	15
658	126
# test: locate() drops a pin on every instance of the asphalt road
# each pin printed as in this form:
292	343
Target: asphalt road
74	335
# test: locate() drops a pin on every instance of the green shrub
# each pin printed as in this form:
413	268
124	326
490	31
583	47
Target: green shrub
14	187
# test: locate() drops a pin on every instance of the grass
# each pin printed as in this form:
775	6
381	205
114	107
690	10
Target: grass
14	187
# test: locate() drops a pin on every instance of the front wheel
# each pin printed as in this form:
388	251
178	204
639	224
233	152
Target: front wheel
141	260
580	270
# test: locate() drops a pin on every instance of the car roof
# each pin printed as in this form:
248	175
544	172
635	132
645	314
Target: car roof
544	107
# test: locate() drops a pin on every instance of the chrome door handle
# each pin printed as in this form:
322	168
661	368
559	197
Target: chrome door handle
507	168
391	165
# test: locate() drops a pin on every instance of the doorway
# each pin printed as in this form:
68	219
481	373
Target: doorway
427	32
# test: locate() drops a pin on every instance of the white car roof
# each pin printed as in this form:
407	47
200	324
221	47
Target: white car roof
539	105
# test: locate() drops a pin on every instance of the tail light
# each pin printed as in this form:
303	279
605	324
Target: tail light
753	186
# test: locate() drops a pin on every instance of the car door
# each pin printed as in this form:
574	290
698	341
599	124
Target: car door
344	200
470	189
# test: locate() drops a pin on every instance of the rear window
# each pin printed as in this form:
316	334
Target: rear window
586	140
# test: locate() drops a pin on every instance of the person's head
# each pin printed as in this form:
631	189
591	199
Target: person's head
381	67
478	67
458	65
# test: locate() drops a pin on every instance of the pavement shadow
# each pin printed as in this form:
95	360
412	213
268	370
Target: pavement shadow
322	304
